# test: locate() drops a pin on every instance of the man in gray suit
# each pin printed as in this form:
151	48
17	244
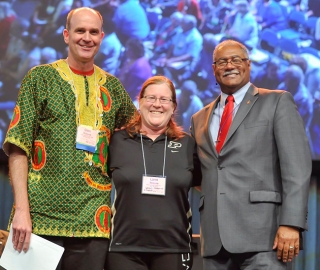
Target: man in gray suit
254	192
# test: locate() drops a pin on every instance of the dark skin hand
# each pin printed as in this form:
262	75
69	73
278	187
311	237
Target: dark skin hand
287	243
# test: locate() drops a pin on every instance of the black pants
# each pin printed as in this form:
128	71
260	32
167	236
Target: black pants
148	261
81	253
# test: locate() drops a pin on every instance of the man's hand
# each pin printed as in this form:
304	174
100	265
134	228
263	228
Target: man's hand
287	243
118	129
21	223
22	228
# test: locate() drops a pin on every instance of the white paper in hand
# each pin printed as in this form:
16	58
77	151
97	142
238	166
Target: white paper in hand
42	255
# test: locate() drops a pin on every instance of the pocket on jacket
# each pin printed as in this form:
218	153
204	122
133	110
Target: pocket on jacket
201	203
256	124
257	196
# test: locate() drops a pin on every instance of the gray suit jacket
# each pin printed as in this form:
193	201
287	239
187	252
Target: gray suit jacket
261	178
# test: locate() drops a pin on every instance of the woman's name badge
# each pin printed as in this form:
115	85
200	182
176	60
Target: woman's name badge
87	138
154	185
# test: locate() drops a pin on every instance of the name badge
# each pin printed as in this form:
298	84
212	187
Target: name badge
154	185
87	138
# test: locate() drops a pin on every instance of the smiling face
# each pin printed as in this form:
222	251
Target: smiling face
155	116
83	37
231	77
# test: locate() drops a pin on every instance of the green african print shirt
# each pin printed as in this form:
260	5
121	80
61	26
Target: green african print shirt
69	189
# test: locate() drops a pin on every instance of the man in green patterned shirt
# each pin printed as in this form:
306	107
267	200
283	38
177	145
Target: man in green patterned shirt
57	144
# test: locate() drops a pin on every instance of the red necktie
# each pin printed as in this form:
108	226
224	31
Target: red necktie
225	122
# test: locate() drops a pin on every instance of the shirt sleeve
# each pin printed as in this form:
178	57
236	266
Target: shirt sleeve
25	119
126	107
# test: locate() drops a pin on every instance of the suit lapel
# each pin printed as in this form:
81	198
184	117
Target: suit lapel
249	99
208	121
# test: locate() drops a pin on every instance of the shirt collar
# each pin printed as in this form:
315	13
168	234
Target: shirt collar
138	135
83	73
238	96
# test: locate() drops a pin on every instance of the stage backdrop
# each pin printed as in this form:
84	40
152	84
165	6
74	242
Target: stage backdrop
283	41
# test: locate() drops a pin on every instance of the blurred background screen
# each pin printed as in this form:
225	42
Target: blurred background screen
175	39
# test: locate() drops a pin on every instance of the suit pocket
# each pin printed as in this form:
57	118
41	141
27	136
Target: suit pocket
258	196
256	124
201	203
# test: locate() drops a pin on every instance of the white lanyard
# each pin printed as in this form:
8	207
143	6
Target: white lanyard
164	156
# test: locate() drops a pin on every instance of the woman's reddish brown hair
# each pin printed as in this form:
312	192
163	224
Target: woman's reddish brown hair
173	130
